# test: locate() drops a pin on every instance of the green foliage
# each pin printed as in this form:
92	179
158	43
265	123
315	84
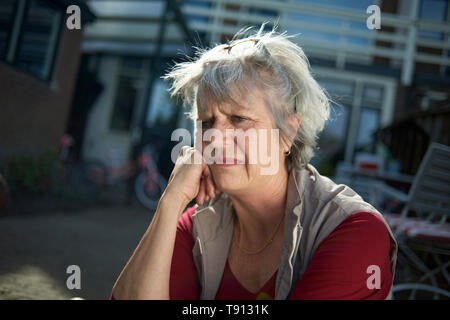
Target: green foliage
34	174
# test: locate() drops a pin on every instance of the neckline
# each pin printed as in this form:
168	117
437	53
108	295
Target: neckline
260	290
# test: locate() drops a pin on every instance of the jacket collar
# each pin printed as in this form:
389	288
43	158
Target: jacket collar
216	216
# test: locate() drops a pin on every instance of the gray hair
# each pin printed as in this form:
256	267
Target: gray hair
269	60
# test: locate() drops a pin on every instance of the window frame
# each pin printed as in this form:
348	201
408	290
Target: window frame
9	30
20	11
130	72
360	81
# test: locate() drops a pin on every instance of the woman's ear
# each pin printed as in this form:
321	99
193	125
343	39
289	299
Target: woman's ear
294	121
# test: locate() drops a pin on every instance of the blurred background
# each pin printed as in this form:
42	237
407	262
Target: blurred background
86	121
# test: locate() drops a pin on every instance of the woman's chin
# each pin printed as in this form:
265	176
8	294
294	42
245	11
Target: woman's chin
229	179
228	185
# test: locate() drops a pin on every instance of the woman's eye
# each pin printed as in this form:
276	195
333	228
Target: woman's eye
238	119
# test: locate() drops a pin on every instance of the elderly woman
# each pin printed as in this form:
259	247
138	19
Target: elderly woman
287	234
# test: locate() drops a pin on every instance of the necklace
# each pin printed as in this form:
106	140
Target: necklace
265	246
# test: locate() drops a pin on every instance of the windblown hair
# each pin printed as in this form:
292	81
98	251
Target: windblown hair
228	73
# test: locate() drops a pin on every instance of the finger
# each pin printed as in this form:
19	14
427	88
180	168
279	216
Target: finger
201	193
187	155
209	182
204	194
210	186
216	189
205	189
198	194
182	152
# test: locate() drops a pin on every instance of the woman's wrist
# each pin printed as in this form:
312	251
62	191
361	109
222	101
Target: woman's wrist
173	200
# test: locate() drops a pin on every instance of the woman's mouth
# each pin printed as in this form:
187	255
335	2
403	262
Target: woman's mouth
227	162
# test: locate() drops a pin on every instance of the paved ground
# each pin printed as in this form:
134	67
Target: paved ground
36	249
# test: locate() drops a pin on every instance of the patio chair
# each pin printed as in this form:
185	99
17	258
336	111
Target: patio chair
428	230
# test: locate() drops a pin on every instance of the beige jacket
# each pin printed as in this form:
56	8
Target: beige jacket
315	207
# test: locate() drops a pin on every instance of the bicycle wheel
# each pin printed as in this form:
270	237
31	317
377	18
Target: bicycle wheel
418	291
149	188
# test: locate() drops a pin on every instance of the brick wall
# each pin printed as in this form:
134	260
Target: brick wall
33	112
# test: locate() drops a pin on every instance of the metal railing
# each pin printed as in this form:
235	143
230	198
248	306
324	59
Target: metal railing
400	43
328	32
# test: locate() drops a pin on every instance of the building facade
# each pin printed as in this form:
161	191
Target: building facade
374	76
38	66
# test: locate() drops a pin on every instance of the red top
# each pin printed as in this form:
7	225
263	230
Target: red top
338	269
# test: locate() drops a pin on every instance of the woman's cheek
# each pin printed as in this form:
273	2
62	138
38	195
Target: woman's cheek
243	149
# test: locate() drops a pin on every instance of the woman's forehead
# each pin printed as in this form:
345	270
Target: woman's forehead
252	104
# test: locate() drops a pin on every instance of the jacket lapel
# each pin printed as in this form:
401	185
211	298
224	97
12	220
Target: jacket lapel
293	233
212	231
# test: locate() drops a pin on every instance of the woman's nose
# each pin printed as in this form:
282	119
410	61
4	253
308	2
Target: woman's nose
218	139
222	128
221	123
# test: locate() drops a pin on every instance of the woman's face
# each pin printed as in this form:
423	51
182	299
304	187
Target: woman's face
246	139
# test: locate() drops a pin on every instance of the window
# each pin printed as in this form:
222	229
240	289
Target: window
368	124
129	90
29	35
373	93
124	106
339	89
6	21
163	111
197	17
436	11
357	109
37	41
332	141
372	96
315	22
334	135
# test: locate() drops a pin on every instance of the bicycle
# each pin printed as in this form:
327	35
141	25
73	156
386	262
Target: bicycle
69	175
148	185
